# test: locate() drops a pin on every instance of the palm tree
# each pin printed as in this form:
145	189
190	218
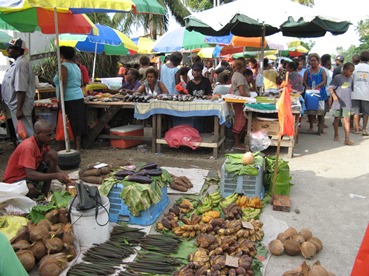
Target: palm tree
309	3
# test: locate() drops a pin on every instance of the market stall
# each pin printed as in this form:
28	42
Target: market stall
197	108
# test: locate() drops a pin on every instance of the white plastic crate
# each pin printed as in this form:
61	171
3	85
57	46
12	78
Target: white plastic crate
242	184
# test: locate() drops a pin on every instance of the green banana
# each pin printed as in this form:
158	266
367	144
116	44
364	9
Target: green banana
250	213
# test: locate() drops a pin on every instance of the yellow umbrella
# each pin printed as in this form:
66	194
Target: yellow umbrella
144	44
206	52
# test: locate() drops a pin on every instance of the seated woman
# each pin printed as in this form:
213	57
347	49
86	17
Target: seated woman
130	84
294	78
152	85
199	83
224	83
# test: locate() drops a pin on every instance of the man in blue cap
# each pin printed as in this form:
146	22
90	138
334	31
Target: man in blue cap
18	87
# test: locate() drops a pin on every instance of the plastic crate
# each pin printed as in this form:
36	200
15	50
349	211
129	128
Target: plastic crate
242	184
119	211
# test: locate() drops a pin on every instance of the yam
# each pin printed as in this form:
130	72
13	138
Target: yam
178	187
105	170
92	179
91	172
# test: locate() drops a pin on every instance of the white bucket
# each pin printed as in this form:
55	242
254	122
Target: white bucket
85	227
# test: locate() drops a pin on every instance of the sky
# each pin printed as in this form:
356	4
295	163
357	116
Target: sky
352	10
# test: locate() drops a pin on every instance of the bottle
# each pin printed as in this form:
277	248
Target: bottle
259	81
313	85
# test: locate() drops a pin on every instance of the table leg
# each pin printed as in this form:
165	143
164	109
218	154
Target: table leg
248	130
95	131
216	136
158	132
154	134
222	134
297	117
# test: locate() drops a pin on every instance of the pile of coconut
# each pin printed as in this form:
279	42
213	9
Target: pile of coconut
316	269
293	243
49	243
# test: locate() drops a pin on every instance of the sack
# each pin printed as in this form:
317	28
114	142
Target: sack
59	135
89	196
21	130
183	135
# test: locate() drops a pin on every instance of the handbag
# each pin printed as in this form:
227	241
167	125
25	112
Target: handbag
59	133
88	198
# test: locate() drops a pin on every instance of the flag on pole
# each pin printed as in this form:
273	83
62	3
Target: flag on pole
285	116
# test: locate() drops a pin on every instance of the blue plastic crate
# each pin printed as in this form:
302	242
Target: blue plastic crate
119	211
243	184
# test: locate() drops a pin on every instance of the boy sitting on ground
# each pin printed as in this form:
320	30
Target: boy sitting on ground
341	88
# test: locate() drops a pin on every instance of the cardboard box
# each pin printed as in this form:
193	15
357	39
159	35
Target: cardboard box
270	125
129	130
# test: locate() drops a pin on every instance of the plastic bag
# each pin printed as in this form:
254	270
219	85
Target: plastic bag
259	140
183	135
59	135
21	130
15	194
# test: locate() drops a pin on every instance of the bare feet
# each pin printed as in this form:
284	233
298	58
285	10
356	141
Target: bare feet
348	142
337	139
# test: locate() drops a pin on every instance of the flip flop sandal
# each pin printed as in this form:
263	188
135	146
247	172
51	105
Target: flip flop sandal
365	133
337	139
349	143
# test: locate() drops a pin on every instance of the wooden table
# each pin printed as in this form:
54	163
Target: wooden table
197	108
111	108
48	91
287	141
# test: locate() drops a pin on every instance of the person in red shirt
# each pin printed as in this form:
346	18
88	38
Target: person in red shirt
35	162
84	71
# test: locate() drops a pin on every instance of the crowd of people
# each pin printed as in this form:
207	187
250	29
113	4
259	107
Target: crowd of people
344	89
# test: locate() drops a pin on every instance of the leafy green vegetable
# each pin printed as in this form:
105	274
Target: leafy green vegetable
61	199
283	182
233	164
38	212
107	184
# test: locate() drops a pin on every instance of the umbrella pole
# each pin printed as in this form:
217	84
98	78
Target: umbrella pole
67	145
94	65
261	57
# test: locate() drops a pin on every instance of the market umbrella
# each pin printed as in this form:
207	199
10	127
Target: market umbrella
109	41
144	44
76	6
178	40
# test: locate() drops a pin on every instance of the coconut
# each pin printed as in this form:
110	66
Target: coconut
44	222
70	251
306	233
21	244
63	215
22	234
317	242
49	269
68	236
276	247
38	249
302	269
54	245
308	250
317	270
290	232
53	216
27	259
37	233
60	259
282	237
292	247
300	238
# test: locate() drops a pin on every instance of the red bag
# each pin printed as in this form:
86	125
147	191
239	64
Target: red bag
183	135
361	267
21	130
59	135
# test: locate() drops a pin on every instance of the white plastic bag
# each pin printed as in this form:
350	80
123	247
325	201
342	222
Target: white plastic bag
259	140
15	194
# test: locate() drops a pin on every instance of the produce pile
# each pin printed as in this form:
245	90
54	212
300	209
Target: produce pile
293	243
283	183
92	175
316	269
48	243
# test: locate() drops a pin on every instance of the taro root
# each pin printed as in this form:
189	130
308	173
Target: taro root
308	250
21	244
37	233
306	233
290	232
317	270
292	247
38	249
54	245
317	242
63	215
276	247
53	216
44	222
49	269
27	259
300	238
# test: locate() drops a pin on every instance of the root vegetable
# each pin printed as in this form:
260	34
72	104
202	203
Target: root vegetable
91	172
92	179
27	259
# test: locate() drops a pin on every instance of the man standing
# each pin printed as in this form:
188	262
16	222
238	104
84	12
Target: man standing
18	88
35	162
360	95
339	65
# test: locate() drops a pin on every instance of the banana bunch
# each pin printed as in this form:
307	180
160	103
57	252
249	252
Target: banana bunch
216	197
185	206
253	202
192	230
228	200
250	213
205	206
